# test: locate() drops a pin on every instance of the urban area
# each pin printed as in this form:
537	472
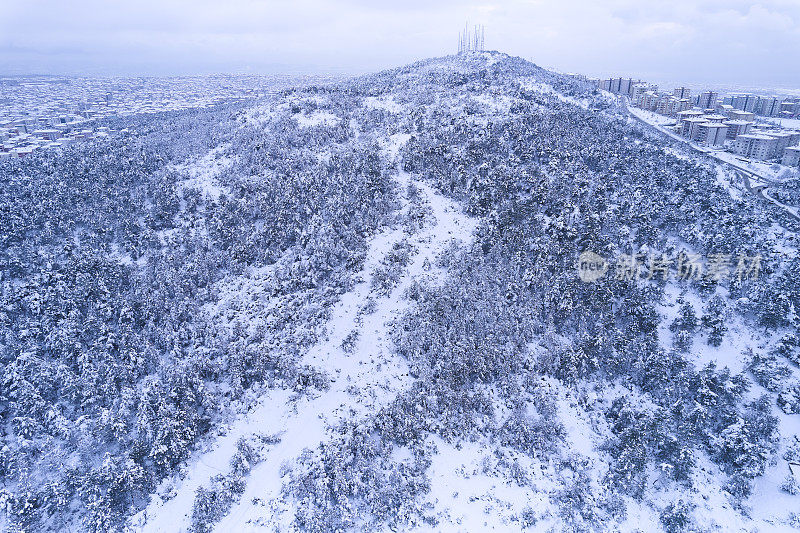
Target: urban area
751	127
45	112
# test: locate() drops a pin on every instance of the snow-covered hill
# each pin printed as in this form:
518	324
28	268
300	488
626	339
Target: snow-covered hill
357	307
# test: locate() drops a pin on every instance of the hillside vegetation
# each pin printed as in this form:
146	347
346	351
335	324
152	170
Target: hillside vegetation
360	303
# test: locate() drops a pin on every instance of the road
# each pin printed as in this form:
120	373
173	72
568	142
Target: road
744	173
761	190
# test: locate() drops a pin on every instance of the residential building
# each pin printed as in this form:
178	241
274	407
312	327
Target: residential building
681	92
618	85
768	106
684	104
710	133
716	118
690	126
683	125
755	146
784	139
724	109
690	113
648	100
668	105
22	152
744	102
638	90
789	108
737	114
707	100
737	127
48	135
791	156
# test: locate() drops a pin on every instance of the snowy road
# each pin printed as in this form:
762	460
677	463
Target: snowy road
761	190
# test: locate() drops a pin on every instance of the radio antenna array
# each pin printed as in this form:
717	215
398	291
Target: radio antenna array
471	41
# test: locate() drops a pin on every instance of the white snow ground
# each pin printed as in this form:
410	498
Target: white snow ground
769	505
362	381
537	86
202	174
316	118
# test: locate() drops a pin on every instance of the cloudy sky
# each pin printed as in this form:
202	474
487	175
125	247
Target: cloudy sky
721	41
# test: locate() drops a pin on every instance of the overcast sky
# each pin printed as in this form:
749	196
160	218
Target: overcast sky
721	41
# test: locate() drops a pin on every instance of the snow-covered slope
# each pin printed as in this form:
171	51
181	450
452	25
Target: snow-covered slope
364	376
357	307
485	476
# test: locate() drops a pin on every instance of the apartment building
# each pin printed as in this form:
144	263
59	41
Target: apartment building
784	140
744	102
690	113
618	85
755	146
791	156
789	108
710	133
681	92
648	100
683	126
638	90
707	100
737	114
768	106
47	134
737	127
724	109
716	118
689	126
670	105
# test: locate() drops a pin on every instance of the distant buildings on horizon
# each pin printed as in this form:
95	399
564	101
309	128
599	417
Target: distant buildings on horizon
712	120
42	112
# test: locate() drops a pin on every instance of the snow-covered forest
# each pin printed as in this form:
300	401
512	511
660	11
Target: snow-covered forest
357	307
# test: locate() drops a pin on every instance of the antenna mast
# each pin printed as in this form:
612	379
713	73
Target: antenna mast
471	40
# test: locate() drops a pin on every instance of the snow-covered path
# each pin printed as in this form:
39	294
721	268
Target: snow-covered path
363	379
